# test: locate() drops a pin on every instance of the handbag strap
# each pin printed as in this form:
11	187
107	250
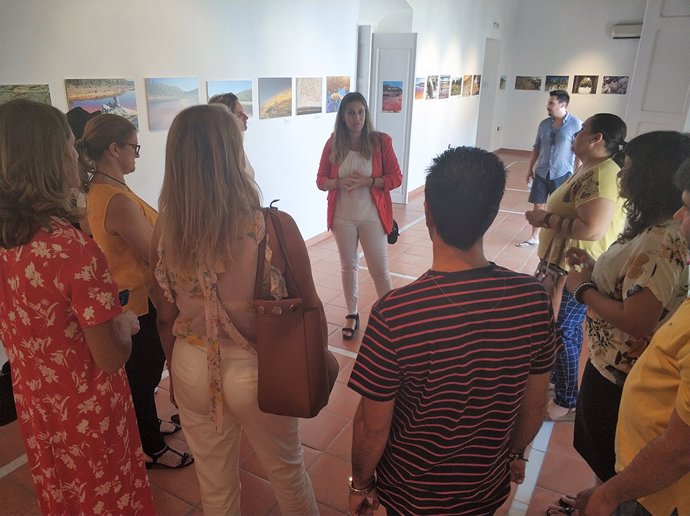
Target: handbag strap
271	218
554	238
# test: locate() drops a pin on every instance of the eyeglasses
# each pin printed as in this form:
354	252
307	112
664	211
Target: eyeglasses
136	147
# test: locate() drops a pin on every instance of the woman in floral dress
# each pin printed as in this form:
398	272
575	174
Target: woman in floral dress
631	290
63	329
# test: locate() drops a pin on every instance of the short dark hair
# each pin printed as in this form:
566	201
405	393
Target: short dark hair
561	96
651	195
682	177
464	187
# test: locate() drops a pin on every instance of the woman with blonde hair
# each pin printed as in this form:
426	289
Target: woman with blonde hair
204	259
358	168
65	334
122	224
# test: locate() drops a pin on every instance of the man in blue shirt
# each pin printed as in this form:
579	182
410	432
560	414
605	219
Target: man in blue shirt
552	161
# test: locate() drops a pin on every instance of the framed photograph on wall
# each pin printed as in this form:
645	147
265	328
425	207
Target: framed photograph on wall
476	84
337	86
275	97
167	96
419	85
528	82
456	86
466	85
614	84
36	92
242	90
431	87
115	96
556	82
308	95
585	84
443	86
392	97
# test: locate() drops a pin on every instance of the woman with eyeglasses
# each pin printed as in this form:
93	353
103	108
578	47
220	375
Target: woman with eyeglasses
122	224
358	169
65	335
588	213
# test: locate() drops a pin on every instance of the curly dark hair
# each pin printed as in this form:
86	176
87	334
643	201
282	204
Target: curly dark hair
648	185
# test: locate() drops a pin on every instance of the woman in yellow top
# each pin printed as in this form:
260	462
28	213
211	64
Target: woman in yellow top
589	212
122	225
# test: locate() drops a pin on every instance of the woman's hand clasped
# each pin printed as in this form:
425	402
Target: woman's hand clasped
355	181
127	323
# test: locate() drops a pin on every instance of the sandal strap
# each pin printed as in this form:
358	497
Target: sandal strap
354	317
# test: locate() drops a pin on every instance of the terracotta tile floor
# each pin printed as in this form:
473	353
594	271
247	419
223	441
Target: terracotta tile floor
554	466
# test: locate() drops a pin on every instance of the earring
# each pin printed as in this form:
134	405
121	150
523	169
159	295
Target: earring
117	155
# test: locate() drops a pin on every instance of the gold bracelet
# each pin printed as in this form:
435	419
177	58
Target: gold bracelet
363	491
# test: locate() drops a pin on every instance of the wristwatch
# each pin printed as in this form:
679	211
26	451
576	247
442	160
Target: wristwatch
364	491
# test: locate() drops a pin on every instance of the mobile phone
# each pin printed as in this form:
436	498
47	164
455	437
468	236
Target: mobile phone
124	297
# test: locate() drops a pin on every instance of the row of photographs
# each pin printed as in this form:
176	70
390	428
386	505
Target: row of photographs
165	97
582	84
444	86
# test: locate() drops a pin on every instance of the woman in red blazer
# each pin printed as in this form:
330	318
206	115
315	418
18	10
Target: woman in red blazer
359	169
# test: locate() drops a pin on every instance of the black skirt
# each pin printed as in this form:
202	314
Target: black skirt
595	422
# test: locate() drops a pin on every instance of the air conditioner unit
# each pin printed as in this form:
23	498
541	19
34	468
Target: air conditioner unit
626	31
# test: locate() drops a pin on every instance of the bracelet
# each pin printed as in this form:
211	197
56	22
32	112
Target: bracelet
547	217
513	456
373	181
579	291
363	491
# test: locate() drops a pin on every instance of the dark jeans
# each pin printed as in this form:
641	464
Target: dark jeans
144	369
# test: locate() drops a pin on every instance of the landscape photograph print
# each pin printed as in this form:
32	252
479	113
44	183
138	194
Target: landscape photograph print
556	82
585	84
114	96
167	96
337	86
431	87
275	97
614	84
36	92
419	84
528	82
456	85
392	96
308	95
241	89
476	84
466	85
443	86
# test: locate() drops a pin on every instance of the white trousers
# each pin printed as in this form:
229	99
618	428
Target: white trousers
275	439
370	233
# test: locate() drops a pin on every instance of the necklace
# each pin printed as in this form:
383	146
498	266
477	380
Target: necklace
500	300
111	177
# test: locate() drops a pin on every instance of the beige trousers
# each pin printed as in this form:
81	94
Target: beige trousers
275	439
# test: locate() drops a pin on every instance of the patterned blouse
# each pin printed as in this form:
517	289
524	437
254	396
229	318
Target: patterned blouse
656	259
216	306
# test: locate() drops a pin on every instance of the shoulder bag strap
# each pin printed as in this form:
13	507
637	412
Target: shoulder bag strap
260	259
273	219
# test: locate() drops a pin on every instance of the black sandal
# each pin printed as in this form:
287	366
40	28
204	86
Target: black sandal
185	459
174	421
348	333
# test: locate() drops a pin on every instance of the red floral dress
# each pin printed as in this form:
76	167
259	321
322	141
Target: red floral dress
78	422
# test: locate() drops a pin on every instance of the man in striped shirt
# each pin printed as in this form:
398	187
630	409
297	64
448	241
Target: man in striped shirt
454	368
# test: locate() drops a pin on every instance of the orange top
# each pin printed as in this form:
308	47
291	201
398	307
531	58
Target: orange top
130	271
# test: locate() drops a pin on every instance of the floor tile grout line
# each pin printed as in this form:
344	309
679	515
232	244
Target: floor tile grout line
13	465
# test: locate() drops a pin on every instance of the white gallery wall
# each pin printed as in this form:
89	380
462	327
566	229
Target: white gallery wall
563	37
48	41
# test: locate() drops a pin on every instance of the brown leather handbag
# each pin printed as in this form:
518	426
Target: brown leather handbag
296	370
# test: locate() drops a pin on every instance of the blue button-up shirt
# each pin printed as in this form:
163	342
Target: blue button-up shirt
556	157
